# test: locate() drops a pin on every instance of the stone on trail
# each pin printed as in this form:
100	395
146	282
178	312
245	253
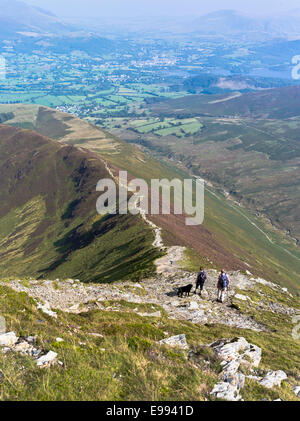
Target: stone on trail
8	339
193	305
178	340
273	378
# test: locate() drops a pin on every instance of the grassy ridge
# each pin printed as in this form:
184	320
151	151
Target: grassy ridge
49	224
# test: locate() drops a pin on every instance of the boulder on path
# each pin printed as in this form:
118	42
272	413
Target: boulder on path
193	305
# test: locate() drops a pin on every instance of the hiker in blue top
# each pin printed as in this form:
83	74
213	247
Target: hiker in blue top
223	284
201	278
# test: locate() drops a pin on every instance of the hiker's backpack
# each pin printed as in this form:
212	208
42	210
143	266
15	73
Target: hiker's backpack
202	276
224	280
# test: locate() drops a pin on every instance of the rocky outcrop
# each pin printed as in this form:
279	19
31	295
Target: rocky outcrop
234	354
10	342
273	378
175	341
226	391
239	351
47	359
8	339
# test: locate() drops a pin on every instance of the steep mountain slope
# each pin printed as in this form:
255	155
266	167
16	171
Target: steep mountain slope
278	103
230	236
49	224
248	145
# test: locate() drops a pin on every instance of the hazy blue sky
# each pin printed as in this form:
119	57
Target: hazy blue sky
119	8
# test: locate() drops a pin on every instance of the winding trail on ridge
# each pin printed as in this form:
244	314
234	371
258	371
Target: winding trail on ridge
158	242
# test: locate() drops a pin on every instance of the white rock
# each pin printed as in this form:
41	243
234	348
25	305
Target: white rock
254	378
238	351
254	353
45	308
74	308
8	339
97	335
296	390
175	341
47	359
226	391
193	305
231	350
155	314
241	297
273	378
23	347
235	379
231	367
59	340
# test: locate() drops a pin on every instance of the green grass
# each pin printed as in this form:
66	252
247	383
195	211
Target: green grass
127	363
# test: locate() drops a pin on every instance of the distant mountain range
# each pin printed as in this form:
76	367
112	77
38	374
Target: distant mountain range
32	28
233	23
17	16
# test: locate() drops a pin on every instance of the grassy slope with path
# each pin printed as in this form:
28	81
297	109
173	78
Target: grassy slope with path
127	363
224	225
49	224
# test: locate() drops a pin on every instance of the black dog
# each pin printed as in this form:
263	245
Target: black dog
186	290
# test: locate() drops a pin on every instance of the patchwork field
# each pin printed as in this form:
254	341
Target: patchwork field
248	146
159	127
